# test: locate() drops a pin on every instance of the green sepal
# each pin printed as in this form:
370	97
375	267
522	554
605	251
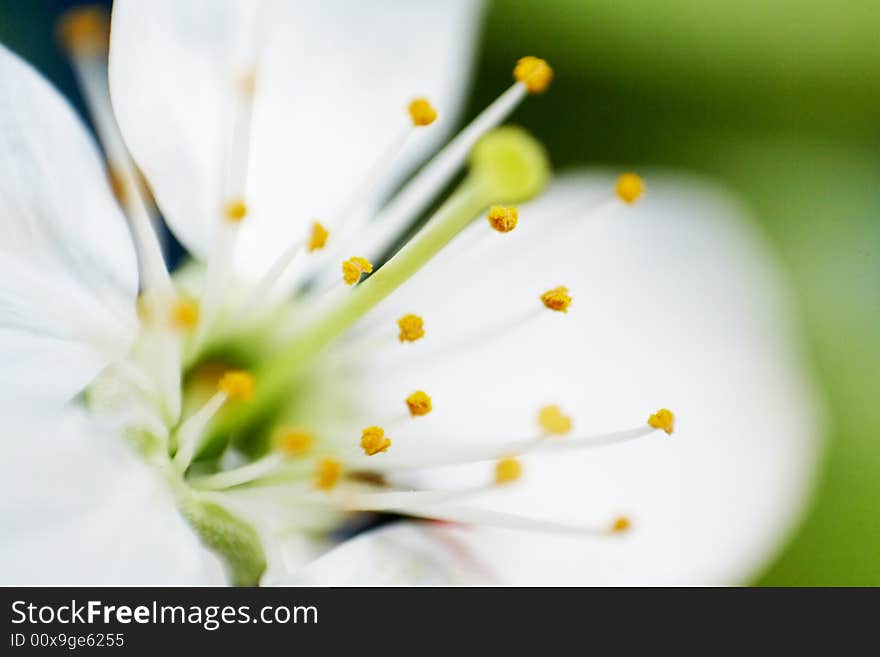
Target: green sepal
231	538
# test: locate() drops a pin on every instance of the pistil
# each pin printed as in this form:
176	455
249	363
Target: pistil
508	166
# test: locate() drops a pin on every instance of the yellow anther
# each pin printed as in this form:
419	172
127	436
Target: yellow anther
507	470
419	403
247	83
663	419
84	30
535	73
412	328
237	384
185	314
354	268
422	112
553	421
373	440
117	186
620	525
630	187
503	218
293	441
328	472
318	237
557	299
235	210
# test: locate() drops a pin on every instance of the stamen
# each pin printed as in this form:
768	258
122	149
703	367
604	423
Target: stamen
419	403
237	384
620	525
247	83
118	186
84	30
412	328
294	441
264	286
501	520
503	219
507	164
456	347
235	210
399	501
84	34
507	470
553	421
234	384
237	163
422	112
217	274
479	449
557	299
351	215
169	356
381	498
630	188
374	441
534	73
238	476
663	419
318	238
354	268
436	174
327	474
185	314
429	504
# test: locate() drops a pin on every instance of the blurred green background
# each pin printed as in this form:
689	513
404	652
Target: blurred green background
780	99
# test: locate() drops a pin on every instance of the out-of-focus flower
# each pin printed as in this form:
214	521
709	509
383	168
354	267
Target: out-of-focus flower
277	402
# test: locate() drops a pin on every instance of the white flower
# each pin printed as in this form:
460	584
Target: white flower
415	391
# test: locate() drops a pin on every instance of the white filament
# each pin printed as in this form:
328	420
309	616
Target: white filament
190	432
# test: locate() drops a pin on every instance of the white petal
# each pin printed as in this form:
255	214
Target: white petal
677	303
78	508
333	82
68	274
403	554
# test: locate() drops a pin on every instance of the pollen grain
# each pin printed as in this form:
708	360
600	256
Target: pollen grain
422	112
237	384
503	218
354	268
374	441
536	74
327	474
557	299
553	421
412	328
419	403
663	419
507	470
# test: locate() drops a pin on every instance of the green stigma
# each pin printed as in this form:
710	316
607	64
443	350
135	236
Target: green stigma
510	164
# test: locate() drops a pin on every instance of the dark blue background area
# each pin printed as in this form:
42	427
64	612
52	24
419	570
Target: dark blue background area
28	28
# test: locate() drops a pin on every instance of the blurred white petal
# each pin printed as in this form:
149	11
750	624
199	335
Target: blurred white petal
333	83
677	303
78	507
402	554
68	275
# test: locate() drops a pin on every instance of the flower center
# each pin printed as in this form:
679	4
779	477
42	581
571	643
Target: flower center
228	384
